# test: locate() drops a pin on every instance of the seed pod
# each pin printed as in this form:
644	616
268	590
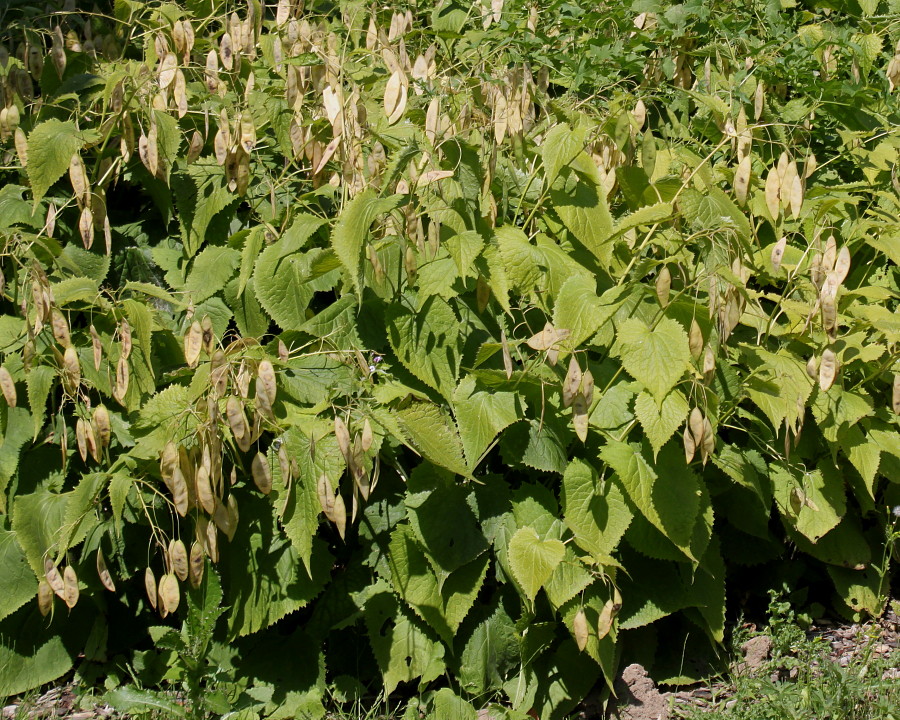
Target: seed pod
102	427
829	312
708	446
326	496
218	373
367	437
572	382
21	143
587	387
50	220
842	265
663	285
285	466
78	178
812	367
91	441
97	347
71	369
395	94
179	492
265	376
243	380
81	438
830	255
580	417
169	593
773	189
343	438
262	474
340	515
204	490
210	539
709	365
70	587
507	357
233	517
695	422
580	629
234	411
778	252
690	445
895	397
54	579
196	565
695	339
607	616
86	227
193	344
828	368
226	51
742	180
103	573
796	194
123	376
8	387
125	335
168	462
45	598
207	337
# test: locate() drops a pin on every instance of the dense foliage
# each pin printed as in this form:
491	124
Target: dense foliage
349	348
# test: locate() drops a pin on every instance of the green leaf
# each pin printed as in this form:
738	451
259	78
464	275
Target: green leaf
561	146
16	211
660	421
812	501
522	262
352	227
51	146
534	444
18	431
647	215
119	485
200	194
281	284
38	519
580	201
596	512
426	341
780	387
862	591
533	560
714	210
481	415
669	501
433	433
569	578
449	706
39	381
253	242
18	584
489	651
656	357
131	700
579	309
403	649
210	272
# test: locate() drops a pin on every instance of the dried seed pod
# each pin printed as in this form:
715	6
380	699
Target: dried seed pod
829	312
45	598
123	376
86	227
125	336
285	466
91	442
367	437
103	572
742	180
226	51
193	344
708	446
70	587
265	377
796	194
207	338
204	490
507	357
580	629
196	565
587	387
262	474
690	445
168	462
78	178
60	327
343	438
218	373
773	190
340	515
71	369
695	339
895	396
828	368
812	367
842	265
606	618
547	338
663	285
21	143
830	254
778	252
709	365
231	509
572	382
326	496
102	426
180	492
169	593
395	95
210	539
580	417
97	347
234	411
8	387
81	438
54	579
695	422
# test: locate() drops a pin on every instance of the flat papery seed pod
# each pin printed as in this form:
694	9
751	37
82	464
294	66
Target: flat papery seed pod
196	565
895	396
339	514
830	255
828	368
571	382
54	579
812	367
580	417
167	69
102	426
78	178
367	437
709	363
695	421
842	265
809	167
168	462
123	376
81	438
231	508
178	36
265	375
219	373
262	474
91	439
690	445
97	348
21	143
829	312
208	338
243	380
8	387
70	587
587	387
204	490
45	598
212	71
742	179
816	270
695	339
284	465
547	338
234	412
50	220
778	252
325	494
103	572
708	446
343	437
773	189
169	592
663	285
193	344
226	51
796	195
607	616
180	492
211	541
580	629
86	227
395	96
125	336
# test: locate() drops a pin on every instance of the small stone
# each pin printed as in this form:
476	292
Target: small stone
756	651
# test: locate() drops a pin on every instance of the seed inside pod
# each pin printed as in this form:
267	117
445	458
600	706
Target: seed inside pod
262	474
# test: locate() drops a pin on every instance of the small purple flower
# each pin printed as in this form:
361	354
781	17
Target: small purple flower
895	511
378	359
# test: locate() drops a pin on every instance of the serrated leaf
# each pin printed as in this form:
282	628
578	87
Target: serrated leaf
449	706
39	381
579	199
560	147
489	651
200	194
210	271
480	415
533	560
660	421
822	497
596	512
433	434
352	228
50	148
656	357
669	501
18	584
581	311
